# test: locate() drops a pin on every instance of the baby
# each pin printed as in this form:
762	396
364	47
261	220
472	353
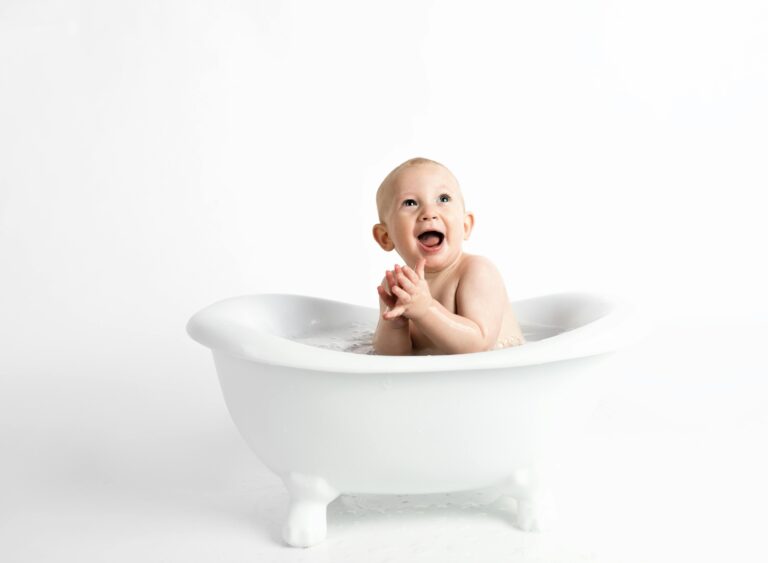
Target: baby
442	301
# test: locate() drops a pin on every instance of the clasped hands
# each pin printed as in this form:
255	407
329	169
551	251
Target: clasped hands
408	296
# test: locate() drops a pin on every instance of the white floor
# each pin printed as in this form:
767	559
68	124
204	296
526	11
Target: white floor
141	462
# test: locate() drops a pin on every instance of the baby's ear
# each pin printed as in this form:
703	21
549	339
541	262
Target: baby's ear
381	235
469	222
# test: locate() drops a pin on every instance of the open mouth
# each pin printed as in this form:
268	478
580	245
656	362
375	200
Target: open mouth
431	241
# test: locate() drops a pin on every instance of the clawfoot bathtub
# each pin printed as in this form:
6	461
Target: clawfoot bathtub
330	422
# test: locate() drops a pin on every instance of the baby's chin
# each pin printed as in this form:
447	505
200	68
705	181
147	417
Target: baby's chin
438	261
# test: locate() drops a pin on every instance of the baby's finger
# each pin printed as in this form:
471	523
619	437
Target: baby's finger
401	294
420	268
412	275
388	300
391	279
404	282
394	313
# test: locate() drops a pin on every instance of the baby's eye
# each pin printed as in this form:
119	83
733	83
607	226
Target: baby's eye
445	198
409	202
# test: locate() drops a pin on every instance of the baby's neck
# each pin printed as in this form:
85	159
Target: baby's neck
431	276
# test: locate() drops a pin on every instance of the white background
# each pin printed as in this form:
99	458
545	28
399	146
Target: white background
157	156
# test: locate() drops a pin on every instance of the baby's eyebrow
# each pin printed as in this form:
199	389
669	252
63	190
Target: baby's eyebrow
442	189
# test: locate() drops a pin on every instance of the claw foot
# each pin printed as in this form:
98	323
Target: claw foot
534	506
528	518
306	523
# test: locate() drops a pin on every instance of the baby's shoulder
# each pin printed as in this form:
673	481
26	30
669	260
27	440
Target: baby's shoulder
474	264
478	269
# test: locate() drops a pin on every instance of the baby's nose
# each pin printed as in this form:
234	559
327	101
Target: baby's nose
428	216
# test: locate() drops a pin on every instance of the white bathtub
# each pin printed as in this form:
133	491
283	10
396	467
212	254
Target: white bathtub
330	422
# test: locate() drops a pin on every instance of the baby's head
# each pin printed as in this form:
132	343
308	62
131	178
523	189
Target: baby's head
421	214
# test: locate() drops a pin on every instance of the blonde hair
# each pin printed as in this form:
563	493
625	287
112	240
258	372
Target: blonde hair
382	191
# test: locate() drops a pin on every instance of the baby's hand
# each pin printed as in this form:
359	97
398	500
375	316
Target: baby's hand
390	301
411	290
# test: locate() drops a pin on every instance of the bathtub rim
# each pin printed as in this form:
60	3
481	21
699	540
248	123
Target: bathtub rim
617	329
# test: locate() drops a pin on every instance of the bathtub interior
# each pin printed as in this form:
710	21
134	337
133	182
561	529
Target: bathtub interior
563	312
296	316
288	315
274	328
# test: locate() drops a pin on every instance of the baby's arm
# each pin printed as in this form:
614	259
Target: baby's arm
480	302
392	336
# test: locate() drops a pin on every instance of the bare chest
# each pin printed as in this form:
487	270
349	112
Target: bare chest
445	293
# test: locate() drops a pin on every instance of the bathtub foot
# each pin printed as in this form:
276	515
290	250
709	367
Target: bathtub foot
527	515
306	522
533	502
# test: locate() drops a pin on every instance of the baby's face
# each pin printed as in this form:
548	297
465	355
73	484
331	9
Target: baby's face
423	216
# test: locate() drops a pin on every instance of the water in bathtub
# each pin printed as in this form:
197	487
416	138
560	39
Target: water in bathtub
357	338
